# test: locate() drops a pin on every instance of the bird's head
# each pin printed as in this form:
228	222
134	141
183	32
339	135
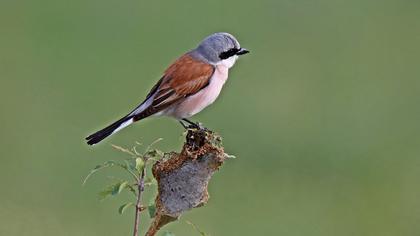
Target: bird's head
220	48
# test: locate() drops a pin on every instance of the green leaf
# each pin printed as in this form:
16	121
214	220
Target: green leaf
130	165
107	164
152	210
113	189
139	164
127	167
132	189
124	206
119	187
106	192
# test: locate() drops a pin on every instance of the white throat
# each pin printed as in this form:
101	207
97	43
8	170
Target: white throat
228	62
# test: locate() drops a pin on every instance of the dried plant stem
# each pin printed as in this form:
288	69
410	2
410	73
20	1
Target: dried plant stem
140	189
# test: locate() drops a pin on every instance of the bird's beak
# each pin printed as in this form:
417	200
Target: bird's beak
242	51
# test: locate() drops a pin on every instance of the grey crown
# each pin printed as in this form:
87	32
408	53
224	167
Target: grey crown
211	47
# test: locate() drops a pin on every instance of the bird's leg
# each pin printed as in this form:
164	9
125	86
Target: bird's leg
183	125
189	122
194	124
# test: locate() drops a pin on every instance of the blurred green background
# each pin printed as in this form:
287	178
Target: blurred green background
323	115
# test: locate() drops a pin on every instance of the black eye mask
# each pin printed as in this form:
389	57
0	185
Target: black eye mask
228	53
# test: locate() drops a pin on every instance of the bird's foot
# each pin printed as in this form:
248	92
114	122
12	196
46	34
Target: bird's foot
197	125
193	125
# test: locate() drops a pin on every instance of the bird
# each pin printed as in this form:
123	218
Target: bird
190	84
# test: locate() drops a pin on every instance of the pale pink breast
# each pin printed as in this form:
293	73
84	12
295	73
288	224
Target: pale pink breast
197	102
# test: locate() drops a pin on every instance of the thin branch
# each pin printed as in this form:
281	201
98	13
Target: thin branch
140	188
123	150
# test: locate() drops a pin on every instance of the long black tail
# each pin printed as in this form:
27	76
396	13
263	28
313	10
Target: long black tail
113	128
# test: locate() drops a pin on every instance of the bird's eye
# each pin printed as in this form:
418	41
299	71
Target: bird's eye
228	53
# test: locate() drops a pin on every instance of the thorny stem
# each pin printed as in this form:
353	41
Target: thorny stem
140	186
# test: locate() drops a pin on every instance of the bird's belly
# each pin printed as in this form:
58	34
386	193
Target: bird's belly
197	102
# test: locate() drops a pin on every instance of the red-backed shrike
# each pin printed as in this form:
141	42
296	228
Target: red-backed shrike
189	85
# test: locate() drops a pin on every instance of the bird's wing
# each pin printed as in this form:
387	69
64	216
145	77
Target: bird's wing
185	77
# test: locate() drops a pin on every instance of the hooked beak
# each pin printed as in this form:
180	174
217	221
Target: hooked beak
242	51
